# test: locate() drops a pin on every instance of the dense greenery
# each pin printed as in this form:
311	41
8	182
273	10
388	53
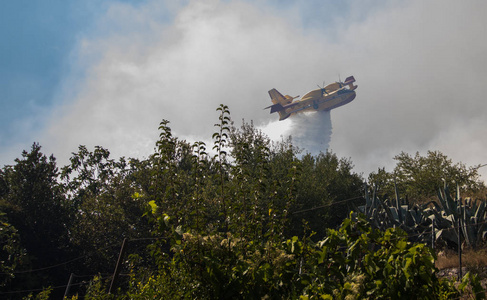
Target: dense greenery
243	218
419	177
353	262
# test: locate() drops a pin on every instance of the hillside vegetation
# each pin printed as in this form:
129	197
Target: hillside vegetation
251	220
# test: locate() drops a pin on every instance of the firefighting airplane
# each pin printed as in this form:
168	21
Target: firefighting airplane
331	96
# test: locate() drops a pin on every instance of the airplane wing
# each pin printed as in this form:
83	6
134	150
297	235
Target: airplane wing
314	94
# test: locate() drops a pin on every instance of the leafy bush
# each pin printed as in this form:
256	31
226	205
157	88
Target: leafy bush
353	262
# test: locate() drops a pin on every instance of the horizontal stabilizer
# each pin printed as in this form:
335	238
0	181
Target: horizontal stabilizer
275	107
349	80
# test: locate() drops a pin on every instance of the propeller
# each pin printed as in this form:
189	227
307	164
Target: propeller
323	90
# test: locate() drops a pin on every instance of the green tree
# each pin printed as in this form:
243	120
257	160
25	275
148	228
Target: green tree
326	185
358	261
35	206
355	261
220	225
420	177
108	205
12	255
89	173
254	192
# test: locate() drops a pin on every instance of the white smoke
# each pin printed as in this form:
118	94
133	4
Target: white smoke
409	58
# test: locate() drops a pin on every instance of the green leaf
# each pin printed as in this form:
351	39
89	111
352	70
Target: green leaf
153	206
179	230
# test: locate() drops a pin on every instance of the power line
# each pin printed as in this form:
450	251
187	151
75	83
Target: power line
144	239
59	264
327	205
77	258
45	268
55	287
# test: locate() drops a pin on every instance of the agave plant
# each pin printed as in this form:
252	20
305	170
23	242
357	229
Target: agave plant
454	217
397	213
447	219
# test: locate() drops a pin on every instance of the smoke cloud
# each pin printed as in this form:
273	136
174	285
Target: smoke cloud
419	69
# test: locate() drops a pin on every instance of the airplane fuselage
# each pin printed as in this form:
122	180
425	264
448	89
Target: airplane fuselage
323	102
332	96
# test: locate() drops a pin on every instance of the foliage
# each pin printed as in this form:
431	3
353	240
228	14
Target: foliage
34	204
12	255
447	218
353	262
398	212
245	219
460	217
418	177
363	262
101	193
97	289
43	295
328	182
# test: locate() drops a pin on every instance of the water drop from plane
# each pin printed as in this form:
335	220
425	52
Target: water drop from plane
311	131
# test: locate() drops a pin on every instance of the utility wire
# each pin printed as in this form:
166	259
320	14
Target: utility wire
45	268
55	287
144	239
327	205
77	258
60	264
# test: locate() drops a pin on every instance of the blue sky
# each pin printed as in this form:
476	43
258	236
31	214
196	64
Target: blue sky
38	37
107	72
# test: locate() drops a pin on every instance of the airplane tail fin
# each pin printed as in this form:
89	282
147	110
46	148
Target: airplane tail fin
277	97
279	102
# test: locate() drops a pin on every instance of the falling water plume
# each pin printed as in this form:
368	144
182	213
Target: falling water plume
311	131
